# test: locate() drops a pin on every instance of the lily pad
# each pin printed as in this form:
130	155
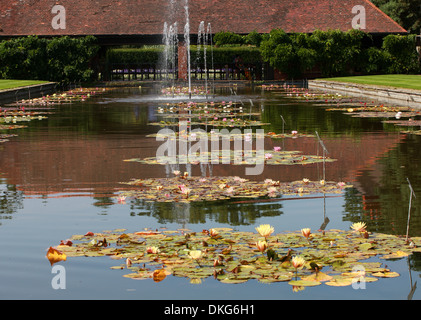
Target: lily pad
304	283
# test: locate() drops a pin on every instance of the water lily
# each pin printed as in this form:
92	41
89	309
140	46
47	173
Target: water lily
176	172
297	262
186	191
272	192
196	255
121	199
261	245
305	180
213	233
294	132
268	156
152	250
265	230
276	148
322	182
359	227
230	190
306	232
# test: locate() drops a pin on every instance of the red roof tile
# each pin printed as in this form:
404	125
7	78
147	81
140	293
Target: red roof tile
134	17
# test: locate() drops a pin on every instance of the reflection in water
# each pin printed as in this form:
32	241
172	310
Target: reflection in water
231	213
81	148
10	200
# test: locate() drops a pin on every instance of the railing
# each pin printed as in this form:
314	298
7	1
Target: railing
127	72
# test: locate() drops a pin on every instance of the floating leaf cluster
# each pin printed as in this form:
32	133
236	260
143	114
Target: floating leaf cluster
188	189
235	158
237	122
70	96
200	107
375	114
5	137
179	90
302	259
192	136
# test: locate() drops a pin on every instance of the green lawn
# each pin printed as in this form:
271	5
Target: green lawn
11	84
389	80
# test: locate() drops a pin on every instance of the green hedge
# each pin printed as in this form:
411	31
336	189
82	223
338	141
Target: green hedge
62	59
134	55
151	56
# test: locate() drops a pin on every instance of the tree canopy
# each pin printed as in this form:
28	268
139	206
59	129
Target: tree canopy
405	12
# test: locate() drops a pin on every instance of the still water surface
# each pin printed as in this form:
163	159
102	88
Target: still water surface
60	177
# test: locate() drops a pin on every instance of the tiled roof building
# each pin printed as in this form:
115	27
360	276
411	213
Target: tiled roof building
147	17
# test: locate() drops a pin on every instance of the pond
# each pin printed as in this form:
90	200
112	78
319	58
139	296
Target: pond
61	176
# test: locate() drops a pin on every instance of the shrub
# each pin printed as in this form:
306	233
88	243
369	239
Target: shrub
402	54
61	59
228	38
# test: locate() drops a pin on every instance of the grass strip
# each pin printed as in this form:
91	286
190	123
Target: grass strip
404	81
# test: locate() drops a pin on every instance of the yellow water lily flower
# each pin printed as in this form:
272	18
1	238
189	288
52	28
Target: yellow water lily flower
265	230
297	262
358	226
306	232
153	250
195	254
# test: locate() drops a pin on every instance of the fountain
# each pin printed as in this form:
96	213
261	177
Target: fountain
187	43
204	38
170	40
171	43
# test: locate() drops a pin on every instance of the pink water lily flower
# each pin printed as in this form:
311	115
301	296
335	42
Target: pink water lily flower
276	148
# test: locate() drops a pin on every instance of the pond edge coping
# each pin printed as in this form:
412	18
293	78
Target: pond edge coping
402	97
28	92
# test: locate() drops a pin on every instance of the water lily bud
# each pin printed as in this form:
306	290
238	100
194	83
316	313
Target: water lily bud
261	245
306	232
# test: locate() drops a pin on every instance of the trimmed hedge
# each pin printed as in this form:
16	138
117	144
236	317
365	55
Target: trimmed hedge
148	56
151	56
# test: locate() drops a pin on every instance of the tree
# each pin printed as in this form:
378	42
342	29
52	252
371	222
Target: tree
290	54
405	12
